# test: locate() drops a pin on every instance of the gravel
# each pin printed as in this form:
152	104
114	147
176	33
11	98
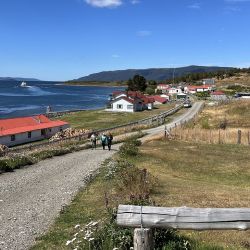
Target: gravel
31	198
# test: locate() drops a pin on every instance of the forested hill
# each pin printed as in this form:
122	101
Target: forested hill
149	74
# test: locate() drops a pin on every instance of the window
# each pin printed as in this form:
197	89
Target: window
130	106
43	133
12	137
119	106
29	134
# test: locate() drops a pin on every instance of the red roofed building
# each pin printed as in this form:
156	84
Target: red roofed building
194	89
159	100
131	101
21	130
218	96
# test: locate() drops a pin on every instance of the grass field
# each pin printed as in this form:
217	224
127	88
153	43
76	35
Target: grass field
242	78
201	175
97	119
236	114
187	174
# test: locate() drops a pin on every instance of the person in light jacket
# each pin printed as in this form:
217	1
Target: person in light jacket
104	141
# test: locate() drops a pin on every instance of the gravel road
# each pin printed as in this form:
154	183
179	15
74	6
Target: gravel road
31	198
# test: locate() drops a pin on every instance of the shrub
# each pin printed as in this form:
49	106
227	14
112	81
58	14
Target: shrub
4	166
130	148
223	124
205	123
135	184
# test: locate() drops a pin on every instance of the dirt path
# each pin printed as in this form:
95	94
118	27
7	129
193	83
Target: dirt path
31	198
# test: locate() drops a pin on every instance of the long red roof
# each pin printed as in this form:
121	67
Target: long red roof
25	124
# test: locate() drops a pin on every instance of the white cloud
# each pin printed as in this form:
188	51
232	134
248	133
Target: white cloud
144	33
135	1
195	6
115	56
104	3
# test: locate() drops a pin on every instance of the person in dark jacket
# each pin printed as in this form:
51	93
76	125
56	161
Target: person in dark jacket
109	139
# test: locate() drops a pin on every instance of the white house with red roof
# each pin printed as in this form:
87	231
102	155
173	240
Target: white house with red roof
195	89
130	101
15	131
218	96
163	87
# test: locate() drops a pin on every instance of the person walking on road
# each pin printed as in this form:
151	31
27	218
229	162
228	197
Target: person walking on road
93	139
104	141
109	139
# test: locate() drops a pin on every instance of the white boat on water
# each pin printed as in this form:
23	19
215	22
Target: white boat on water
23	84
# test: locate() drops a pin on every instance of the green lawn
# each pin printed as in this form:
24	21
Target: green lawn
97	119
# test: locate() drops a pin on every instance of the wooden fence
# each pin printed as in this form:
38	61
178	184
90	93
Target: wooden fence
155	120
144	218
213	136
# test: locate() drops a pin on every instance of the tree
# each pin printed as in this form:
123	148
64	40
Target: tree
138	83
150	91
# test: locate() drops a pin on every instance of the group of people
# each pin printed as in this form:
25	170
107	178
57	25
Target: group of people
106	140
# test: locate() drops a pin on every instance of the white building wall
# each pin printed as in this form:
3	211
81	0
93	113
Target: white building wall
35	136
125	106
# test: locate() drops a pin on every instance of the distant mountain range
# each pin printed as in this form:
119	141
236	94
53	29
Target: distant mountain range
150	74
17	79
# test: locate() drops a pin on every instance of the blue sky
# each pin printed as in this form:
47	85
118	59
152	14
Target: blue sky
67	39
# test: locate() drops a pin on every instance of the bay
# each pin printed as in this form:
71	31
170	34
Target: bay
16	101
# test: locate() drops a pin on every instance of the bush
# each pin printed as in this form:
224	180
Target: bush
135	185
4	166
129	148
205	123
223	124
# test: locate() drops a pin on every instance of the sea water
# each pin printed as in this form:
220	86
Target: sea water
16	101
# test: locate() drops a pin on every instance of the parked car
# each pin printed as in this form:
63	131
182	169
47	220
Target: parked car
187	104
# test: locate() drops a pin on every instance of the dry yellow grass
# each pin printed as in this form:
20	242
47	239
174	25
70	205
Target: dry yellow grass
235	113
242	78
213	136
201	175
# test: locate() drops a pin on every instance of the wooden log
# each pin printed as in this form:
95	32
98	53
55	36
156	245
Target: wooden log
184	218
143	239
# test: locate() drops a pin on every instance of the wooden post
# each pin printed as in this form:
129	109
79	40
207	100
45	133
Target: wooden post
165	132
248	137
219	137
239	137
143	239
